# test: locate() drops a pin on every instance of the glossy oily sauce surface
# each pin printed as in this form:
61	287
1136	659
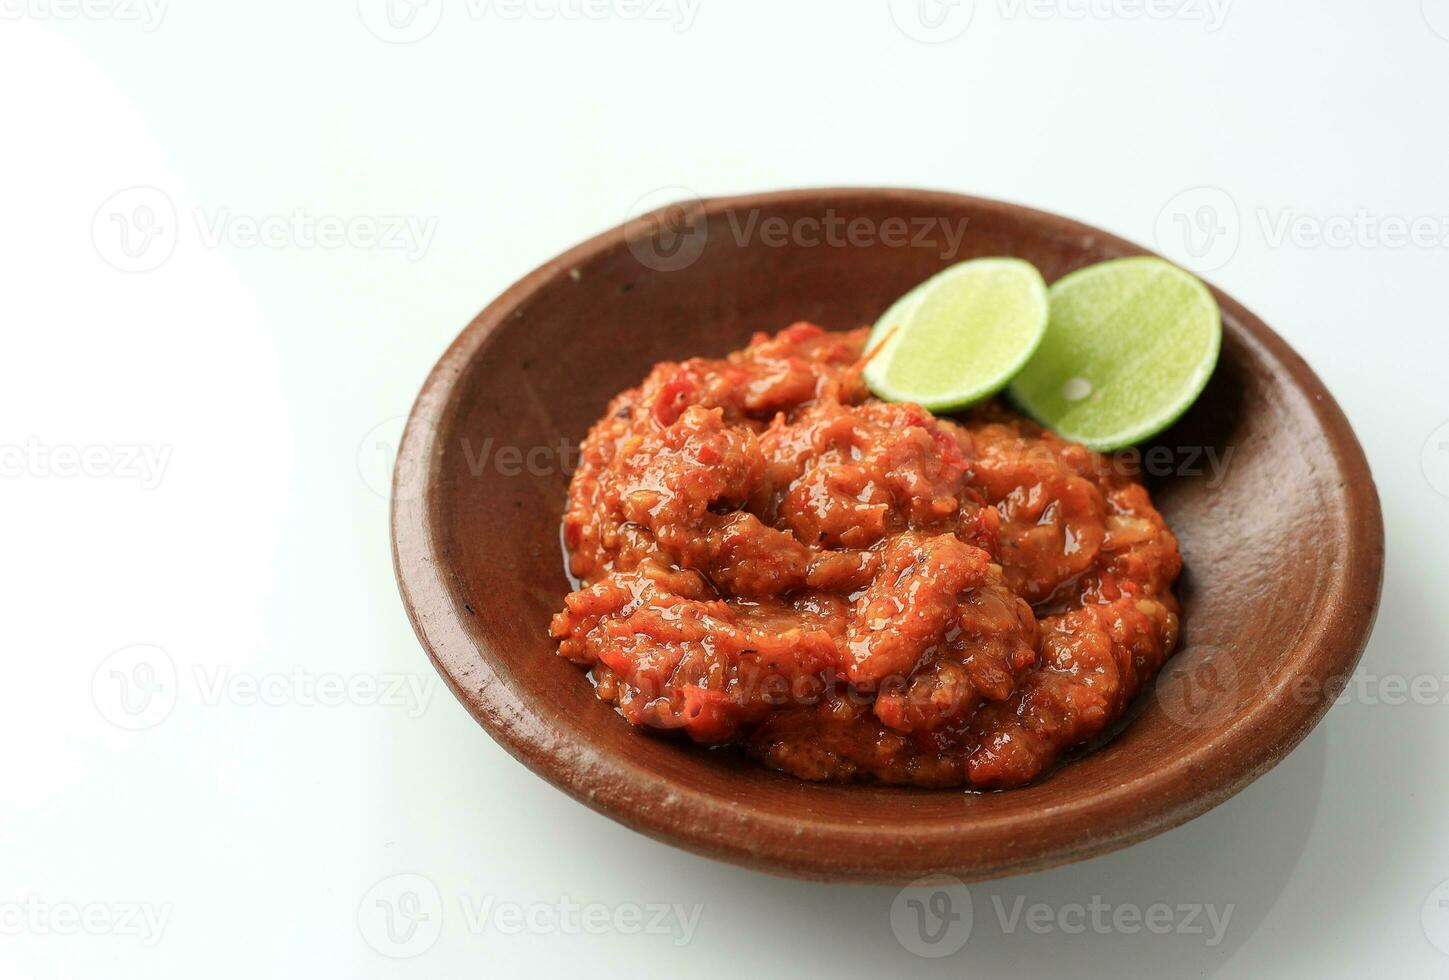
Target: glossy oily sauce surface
852	589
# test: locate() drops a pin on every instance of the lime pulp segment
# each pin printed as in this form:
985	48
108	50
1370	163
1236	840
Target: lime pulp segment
1129	346
960	336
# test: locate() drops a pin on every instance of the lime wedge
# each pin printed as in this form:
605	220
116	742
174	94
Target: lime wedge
1130	346
960	336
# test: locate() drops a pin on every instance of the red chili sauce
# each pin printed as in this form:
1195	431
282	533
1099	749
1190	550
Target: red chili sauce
853	589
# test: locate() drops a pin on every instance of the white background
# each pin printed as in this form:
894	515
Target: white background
269	379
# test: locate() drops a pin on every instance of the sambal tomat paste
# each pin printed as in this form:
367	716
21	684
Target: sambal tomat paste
855	589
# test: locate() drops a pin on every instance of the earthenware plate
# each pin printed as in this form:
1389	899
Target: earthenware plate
1263	482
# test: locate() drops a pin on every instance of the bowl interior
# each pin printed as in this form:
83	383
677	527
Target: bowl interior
1265	495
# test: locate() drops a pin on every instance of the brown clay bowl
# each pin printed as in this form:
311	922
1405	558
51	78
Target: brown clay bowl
1283	546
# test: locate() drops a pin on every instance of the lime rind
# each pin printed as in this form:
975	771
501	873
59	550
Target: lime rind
1185	347
1008	289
